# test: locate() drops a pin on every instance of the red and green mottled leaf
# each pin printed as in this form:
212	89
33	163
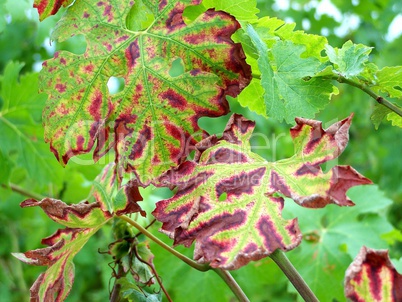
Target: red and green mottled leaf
48	8
81	215
152	122
227	198
372	277
55	284
82	221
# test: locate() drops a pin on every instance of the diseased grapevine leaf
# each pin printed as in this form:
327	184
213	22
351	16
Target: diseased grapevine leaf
288	80
81	215
48	8
55	284
372	277
20	115
82	220
227	198
152	122
349	60
333	236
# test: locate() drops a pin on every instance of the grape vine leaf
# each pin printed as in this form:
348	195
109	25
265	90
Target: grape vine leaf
82	221
333	236
20	115
242	10
152	123
290	88
372	277
388	80
227	198
48	8
349	60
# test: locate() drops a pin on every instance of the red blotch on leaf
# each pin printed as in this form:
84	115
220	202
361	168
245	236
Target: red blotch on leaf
61	88
175	100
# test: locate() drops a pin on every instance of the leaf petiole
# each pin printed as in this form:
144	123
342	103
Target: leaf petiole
279	257
381	100
192	263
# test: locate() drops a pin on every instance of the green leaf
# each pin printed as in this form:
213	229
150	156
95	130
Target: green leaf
389	80
5	168
243	10
395	119
349	60
133	293
372	277
333	236
152	122
248	225
378	115
252	97
20	125
272	29
48	8
288	80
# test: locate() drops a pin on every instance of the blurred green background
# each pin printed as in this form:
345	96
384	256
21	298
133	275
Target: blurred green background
26	162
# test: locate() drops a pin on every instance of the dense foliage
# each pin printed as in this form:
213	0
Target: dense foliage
134	104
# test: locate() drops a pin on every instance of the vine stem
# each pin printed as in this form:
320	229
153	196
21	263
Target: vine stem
341	79
23	191
231	282
192	263
279	257
381	100
225	275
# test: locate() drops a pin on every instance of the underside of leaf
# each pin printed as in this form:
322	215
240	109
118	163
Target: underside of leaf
227	198
372	277
152	122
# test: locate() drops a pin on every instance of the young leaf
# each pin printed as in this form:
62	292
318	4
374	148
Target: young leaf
372	277
349	60
48	8
288	80
247	224
153	121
